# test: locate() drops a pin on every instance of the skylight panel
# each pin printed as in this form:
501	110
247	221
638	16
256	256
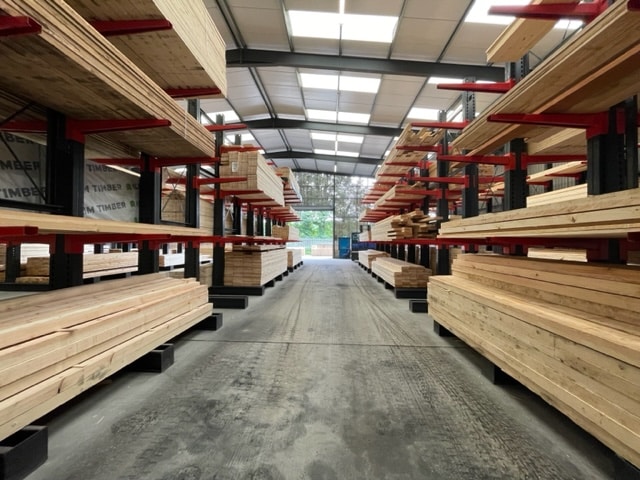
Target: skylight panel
436	80
321	151
364	28
479	14
359	84
349	117
350	138
314	80
347	154
326	115
329	137
423	113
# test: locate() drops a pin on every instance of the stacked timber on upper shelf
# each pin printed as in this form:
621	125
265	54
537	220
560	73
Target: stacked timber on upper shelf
566	169
367	257
291	188
400	196
610	215
365	236
562	195
294	256
286	232
189	55
521	36
67	224
261	184
88	78
55	345
567	331
254	265
406	226
593	71
400	274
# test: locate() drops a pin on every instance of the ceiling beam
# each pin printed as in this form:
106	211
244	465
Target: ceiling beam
246	57
330	158
278	123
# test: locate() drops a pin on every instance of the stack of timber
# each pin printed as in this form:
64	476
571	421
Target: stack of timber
189	55
367	257
251	265
78	64
173	207
577	192
55	345
596	69
92	266
80	225
406	226
612	215
261	184
170	260
400	196
568	331
566	254
322	250
365	236
286	232
400	274
206	274
291	188
294	256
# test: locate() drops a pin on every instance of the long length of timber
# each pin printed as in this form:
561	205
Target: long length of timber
593	71
88	78
189	55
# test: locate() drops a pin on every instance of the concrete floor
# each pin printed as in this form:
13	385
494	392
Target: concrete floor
327	376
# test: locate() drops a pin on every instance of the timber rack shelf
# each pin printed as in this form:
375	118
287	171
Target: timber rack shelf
94	84
594	70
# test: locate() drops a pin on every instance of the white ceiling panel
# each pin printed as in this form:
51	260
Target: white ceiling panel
239	77
278	76
270	140
261	26
419	39
325	165
388	116
355	107
287	105
313	5
284	162
299	139
320	105
348	147
470	43
375	146
220	23
436	9
317	94
357	97
391	8
306	163
324	144
344	168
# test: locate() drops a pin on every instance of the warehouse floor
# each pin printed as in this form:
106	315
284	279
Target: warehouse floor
327	376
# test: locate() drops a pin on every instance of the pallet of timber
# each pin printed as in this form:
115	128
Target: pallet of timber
367	257
286	232
261	182
612	215
400	274
568	331
68	224
57	344
596	69
78	64
294	256
576	192
189	55
254	265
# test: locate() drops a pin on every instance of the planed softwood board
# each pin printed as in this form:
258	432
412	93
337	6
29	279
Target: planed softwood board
189	55
565	254
535	347
67	224
31	404
294	256
610	214
34	324
91	263
558	141
367	257
619	437
79	64
32	363
609	341
521	36
569	193
569	168
604	309
596	69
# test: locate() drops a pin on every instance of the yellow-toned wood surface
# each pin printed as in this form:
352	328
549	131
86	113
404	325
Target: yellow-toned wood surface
189	55
596	69
71	68
566	330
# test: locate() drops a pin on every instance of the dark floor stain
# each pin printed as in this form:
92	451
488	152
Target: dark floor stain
320	471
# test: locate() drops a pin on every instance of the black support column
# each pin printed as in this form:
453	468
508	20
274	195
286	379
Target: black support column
250	221
192	205
65	187
470	204
149	212
442	207
218	216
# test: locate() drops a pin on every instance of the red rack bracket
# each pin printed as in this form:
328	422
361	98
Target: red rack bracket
484	159
633	5
445	125
110	28
193	92
553	11
497	87
18	231
225	128
12	26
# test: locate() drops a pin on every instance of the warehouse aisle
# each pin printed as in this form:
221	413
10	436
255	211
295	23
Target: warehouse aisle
327	376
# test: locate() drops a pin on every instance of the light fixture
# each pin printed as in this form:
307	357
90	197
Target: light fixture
419	113
343	83
329	25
